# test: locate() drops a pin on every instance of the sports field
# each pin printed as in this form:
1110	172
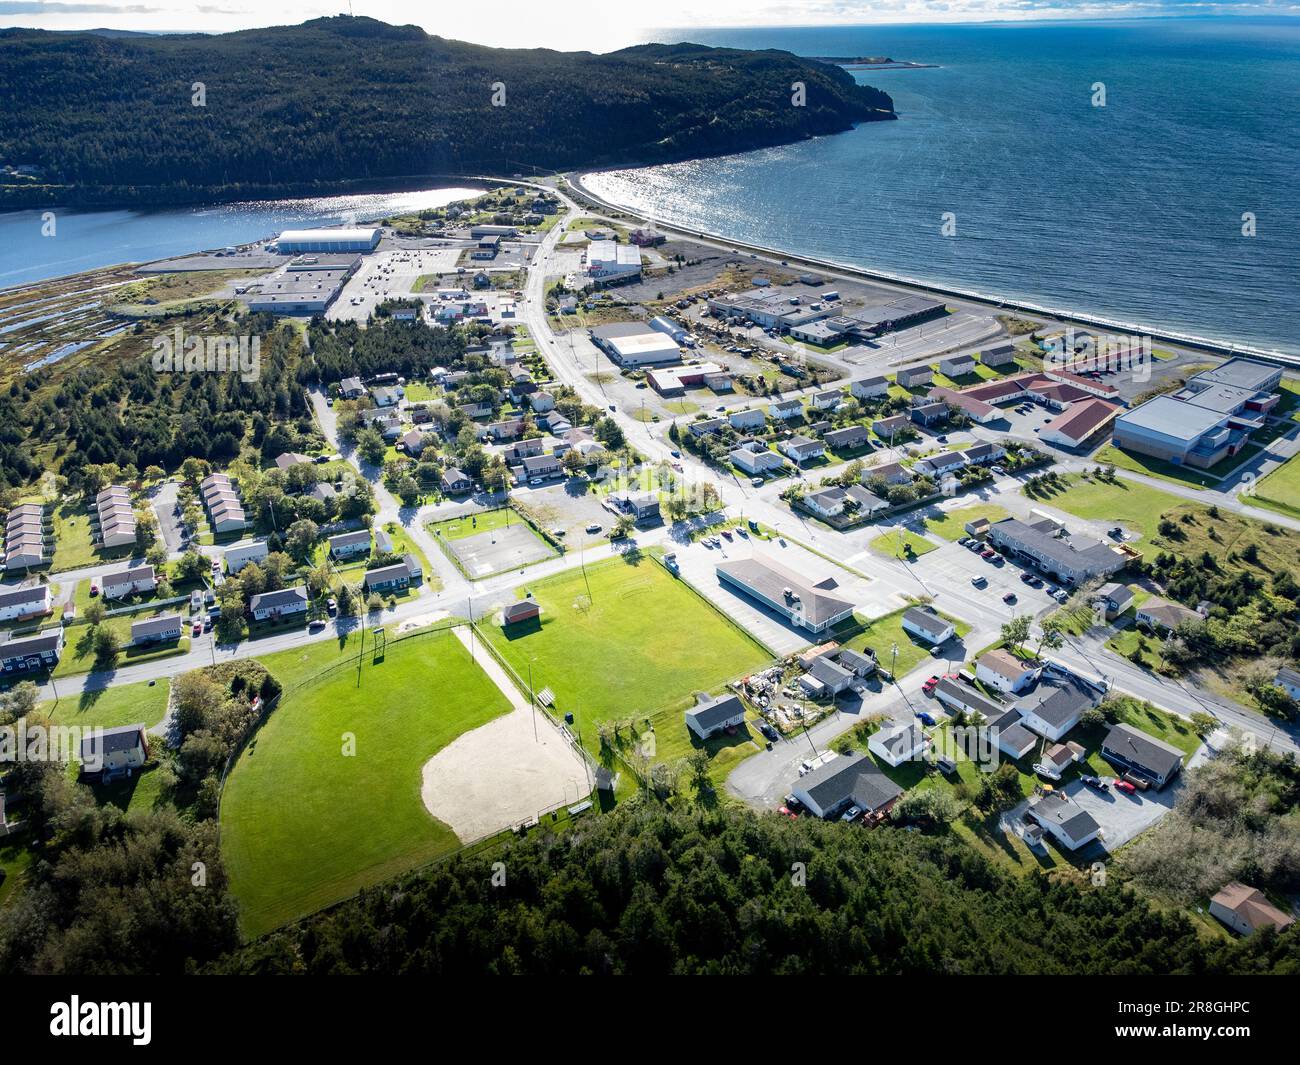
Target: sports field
326	799
490	542
624	641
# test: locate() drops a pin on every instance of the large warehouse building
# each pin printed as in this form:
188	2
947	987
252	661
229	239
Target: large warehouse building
635	344
1207	420
607	262
296	241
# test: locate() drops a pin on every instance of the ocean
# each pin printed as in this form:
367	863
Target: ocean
1137	211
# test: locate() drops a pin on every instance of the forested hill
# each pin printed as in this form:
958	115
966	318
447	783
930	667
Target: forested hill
303	108
652	891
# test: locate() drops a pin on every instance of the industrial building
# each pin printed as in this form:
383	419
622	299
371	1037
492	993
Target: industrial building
820	317
606	262
294	241
805	605
307	285
1207	420
634	344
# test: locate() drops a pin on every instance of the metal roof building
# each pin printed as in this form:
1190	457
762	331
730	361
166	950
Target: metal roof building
293	241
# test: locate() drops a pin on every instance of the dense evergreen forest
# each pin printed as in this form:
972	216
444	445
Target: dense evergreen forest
650	890
292	109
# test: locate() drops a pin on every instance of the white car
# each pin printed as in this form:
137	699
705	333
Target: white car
851	814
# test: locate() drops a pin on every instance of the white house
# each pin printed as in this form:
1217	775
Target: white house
711	716
134	580
905	743
241	554
785	409
801	449
827	502
286	601
1056	704
827	400
1063	819
25	602
928	625
868	387
756	459
749	418
1002	670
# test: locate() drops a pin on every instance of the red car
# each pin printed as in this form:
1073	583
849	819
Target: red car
988	553
929	686
1125	787
787	812
197	630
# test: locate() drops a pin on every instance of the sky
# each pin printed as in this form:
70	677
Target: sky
596	25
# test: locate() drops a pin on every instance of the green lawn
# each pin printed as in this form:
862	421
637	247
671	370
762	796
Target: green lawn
473	524
885	632
1280	489
302	823
1134	505
896	544
122	704
79	645
951	525
625	642
1169	471
14	860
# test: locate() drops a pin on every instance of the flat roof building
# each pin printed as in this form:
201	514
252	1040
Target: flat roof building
809	606
635	344
292	241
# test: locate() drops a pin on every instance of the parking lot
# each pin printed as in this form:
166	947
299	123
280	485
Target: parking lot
565	509
497	550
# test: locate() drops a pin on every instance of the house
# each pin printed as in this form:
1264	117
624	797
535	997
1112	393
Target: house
756	459
827	678
535	445
116	517
827	400
867	503
1056	704
387	395
928	625
706	427
941	462
888	428
801	449
1010	734
982	454
889	472
350	544
520	610
1058	758
843	783
1131	750
114	750
22	603
392	578
785	409
710	716
286	601
903	743
1002	670
30	653
999	355
643	506
914	376
1246	910
538	468
162	629
383	543
977	410
541	402
1288	680
957	365
1063	819
1164	615
283	462
241	554
413	442
323	492
957	695
847	439
929	413
857	663
455	482
803	604
134	580
351	388
749	418
869	387
1114	597
826	502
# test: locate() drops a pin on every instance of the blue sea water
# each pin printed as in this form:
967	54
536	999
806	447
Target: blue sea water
1132	211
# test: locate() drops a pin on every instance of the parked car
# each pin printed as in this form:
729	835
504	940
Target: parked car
756	482
851	814
1141	783
930	684
988	553
1125	787
1095	782
1027	578
980	581
785	811
94	588
1010	597
926	719
768	731
332	606
196	629
936	651
594	527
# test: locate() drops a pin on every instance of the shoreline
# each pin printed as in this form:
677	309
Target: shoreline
577	186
